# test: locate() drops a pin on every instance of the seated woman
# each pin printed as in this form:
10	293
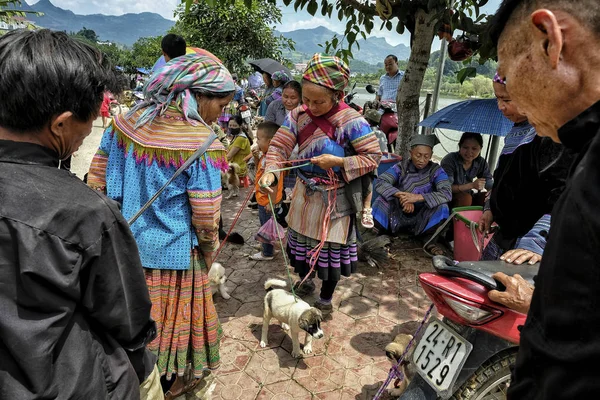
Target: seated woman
240	145
413	194
463	167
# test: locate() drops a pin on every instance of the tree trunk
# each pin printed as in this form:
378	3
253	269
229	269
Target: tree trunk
409	90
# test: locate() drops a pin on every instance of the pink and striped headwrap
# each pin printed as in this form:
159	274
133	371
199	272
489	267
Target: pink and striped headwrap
499	79
176	82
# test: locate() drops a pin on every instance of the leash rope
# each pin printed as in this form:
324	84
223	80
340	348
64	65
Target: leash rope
237	217
331	200
285	259
396	371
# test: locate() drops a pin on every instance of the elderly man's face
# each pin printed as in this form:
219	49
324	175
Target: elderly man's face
545	58
528	80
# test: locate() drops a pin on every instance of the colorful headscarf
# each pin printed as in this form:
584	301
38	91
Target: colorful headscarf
499	79
176	81
328	71
280	76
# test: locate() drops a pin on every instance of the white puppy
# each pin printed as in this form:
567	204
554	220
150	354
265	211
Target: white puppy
294	314
217	279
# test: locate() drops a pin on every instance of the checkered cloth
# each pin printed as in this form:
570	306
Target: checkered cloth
328	71
176	81
388	86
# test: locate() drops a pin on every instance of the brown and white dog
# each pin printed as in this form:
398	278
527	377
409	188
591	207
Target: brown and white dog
394	351
231	180
294	314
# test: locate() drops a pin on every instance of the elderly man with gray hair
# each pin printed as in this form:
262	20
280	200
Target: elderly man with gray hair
549	52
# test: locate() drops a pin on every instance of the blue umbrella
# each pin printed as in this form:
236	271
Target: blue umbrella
481	116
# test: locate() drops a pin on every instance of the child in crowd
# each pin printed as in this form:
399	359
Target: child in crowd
265	132
366	220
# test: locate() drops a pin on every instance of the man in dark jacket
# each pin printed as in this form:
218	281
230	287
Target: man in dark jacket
549	52
74	306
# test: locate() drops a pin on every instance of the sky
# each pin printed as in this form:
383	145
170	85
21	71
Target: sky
291	20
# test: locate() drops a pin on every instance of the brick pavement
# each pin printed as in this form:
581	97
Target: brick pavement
349	362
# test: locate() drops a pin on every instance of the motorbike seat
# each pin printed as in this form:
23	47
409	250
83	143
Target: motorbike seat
482	271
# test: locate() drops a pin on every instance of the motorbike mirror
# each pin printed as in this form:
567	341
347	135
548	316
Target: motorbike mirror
371	89
353	87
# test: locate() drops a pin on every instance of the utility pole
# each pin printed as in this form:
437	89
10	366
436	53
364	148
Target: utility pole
440	75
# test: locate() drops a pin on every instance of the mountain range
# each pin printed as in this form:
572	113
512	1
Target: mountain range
125	29
373	50
128	28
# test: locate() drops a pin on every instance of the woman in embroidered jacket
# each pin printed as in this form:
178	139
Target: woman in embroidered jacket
413	194
178	234
332	135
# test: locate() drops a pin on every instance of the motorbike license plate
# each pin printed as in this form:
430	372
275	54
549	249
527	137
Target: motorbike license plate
440	355
246	114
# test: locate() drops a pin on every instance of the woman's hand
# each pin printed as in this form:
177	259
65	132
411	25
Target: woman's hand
409	198
485	222
520	256
517	295
266	182
478	184
326	161
408	208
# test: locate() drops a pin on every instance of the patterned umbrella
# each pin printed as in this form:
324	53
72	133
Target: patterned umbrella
481	116
189	50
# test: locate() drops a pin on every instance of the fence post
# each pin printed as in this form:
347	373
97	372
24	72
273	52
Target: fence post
424	130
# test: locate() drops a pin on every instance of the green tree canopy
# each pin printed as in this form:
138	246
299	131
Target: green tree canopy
88	34
233	31
145	52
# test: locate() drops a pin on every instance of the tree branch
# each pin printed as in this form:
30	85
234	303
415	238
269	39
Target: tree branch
360	7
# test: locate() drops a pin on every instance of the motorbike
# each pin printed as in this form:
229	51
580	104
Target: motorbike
246	113
468	353
349	97
389	119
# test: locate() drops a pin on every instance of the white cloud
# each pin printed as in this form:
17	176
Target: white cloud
288	24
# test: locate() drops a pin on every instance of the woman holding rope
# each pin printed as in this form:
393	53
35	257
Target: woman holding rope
178	234
341	149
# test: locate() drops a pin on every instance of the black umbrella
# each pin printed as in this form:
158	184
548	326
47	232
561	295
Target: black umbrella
270	66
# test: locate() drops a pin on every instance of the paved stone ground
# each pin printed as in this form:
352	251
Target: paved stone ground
371	307
349	362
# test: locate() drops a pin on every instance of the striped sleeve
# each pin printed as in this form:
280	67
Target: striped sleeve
442	189
535	239
368	153
283	143
204	193
97	172
387	184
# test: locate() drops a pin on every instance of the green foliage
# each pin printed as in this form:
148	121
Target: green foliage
145	52
7	12
88	34
479	86
234	31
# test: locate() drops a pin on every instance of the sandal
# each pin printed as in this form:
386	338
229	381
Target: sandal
435	250
367	218
187	387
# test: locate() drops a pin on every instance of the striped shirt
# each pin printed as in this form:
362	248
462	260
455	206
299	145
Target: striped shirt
388	86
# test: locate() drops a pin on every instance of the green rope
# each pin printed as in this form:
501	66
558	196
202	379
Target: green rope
292	167
285	259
